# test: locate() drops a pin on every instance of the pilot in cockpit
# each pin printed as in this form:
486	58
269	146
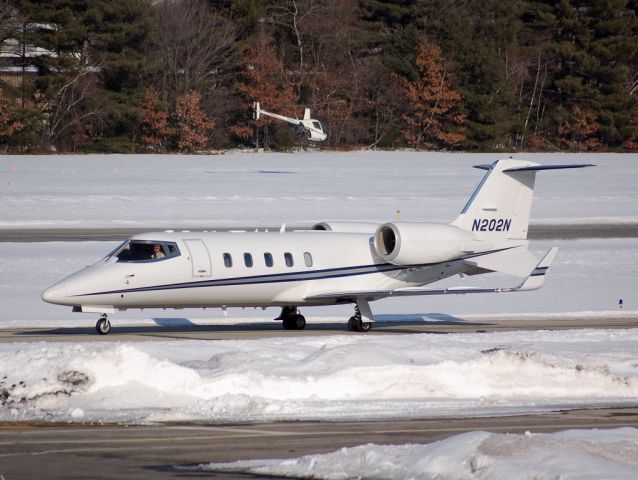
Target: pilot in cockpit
157	252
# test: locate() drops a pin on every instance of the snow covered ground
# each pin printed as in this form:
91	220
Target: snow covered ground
268	189
571	454
340	377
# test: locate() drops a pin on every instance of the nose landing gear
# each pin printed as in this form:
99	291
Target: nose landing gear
103	326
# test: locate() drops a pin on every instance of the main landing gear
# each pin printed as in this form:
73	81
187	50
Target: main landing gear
103	326
292	319
356	323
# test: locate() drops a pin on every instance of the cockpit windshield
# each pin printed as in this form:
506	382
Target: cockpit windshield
143	251
317	125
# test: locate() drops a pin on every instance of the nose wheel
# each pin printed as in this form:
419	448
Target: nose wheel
103	326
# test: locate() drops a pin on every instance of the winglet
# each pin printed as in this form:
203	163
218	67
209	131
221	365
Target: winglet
536	278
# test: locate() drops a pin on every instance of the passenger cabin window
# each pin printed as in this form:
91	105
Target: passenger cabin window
228	260
288	259
248	260
145	251
307	258
268	259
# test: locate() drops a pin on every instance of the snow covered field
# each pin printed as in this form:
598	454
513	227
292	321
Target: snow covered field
572	454
268	189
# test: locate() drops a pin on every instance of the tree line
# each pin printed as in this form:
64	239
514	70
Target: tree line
182	75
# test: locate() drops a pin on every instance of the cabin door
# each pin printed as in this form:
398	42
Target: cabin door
200	258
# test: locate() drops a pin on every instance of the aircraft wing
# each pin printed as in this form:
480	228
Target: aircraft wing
533	281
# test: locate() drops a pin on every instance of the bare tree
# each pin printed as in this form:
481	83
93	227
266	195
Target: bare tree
194	48
72	112
291	14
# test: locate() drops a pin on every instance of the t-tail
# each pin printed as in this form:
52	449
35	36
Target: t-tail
499	208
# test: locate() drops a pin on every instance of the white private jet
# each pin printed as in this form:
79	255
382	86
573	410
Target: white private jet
335	262
308	128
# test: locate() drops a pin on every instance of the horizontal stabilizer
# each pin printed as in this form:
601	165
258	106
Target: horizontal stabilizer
537	168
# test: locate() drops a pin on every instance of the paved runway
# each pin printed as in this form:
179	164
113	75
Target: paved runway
48	451
268	329
536	232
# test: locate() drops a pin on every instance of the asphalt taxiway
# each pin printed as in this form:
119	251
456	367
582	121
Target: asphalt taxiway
269	329
72	451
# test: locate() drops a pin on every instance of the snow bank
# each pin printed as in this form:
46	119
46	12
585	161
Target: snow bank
321	378
570	454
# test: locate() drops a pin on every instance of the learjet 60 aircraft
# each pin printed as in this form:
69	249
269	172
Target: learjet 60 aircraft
333	263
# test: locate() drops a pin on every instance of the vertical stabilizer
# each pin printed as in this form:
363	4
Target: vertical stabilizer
500	206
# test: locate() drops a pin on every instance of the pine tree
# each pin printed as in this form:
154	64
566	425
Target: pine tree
94	69
594	52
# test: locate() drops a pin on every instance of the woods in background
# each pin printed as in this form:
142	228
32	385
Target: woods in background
181	75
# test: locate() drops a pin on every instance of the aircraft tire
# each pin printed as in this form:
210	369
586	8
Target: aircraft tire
103	326
299	322
363	326
352	324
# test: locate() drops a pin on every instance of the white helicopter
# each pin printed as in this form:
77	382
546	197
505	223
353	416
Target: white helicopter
308	128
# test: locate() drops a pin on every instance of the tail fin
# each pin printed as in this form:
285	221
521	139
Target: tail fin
256	111
500	206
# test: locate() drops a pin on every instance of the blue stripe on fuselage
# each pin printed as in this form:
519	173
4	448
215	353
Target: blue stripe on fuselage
284	277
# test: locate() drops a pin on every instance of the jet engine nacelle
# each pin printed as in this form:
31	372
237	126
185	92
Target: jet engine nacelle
404	243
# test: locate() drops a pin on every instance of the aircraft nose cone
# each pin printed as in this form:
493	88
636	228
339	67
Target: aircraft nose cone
54	294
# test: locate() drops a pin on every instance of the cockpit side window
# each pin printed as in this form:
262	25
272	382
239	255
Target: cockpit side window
146	251
317	125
